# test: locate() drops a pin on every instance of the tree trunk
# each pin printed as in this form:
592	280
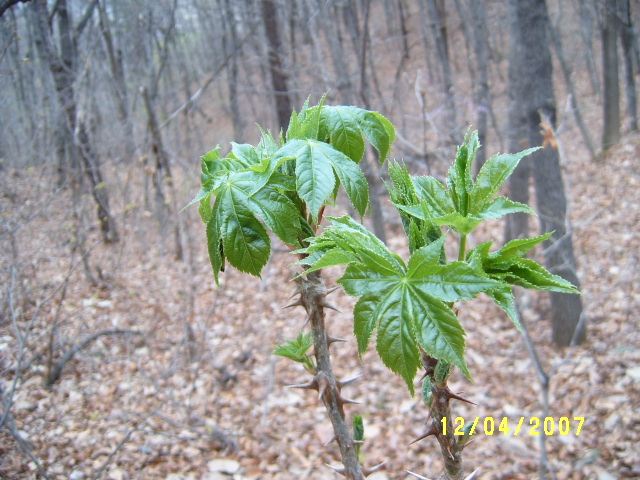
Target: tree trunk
74	140
482	92
278	76
438	17
119	83
531	98
611	113
626	38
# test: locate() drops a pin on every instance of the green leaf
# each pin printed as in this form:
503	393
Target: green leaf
364	321
314	175
359	280
464	225
330	258
316	163
353	181
529	274
438	329
343	131
426	260
214	246
502	206
492	175
378	130
454	281
434	193
505	300
459	178
396	342
517	248
295	350
246	241
278	212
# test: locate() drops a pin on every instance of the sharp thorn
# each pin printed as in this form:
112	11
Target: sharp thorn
312	385
297	292
330	307
419	477
348	400
472	475
424	375
450	394
322	382
339	470
332	289
430	431
297	303
467	444
369	471
332	439
331	340
342	383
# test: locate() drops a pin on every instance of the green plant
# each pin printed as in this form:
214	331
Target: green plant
412	306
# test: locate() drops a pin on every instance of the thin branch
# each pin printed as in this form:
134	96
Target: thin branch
54	376
189	103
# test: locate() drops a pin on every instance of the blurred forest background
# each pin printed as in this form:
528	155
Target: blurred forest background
119	357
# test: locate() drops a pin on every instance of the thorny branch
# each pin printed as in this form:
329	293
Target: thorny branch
313	292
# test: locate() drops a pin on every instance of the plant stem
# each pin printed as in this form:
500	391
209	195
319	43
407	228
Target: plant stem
450	447
462	249
313	294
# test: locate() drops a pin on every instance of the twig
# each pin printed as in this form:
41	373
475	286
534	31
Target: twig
545	381
120	445
9	425
54	375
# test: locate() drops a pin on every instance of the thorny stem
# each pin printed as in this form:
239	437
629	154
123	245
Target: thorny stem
450	446
313	297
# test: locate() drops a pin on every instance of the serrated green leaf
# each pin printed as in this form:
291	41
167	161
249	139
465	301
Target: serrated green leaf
477	256
353	181
246	242
431	190
459	178
530	274
364	321
517	248
502	206
438	329
214	246
296	349
330	258
378	130
278	212
343	131
353	237
425	260
396	343
492	175
505	300
461	224
247	154
359	280
454	281
315	179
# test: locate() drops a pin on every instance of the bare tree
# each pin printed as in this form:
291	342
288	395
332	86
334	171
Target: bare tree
278	75
611	104
532	104
63	65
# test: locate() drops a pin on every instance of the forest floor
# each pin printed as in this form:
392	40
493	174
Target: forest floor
199	395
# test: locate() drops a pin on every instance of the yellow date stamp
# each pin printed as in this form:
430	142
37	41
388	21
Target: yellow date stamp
531	426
